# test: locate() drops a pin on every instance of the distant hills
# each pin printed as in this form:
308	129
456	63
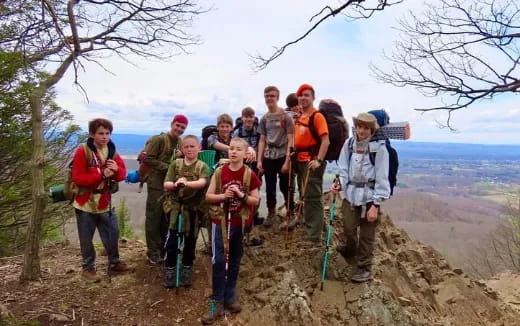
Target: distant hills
128	144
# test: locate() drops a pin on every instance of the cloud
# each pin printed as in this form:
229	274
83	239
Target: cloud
217	78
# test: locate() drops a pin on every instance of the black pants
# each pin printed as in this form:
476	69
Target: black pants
272	172
189	239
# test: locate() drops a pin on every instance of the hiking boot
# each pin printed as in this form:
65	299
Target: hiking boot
90	275
169	277
271	216
120	267
361	275
186	280
216	310
155	259
254	243
233	308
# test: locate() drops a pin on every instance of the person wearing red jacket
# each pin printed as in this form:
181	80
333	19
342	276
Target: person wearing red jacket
96	170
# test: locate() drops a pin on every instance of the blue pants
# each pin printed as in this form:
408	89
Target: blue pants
224	288
108	229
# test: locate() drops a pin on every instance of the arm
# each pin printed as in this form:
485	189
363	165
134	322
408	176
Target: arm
261	149
82	175
220	146
153	150
324	146
381	169
197	184
210	194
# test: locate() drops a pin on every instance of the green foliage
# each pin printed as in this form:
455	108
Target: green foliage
15	140
123	218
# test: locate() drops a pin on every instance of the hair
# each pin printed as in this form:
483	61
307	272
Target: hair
240	140
291	100
272	88
225	118
94	125
188	137
248	111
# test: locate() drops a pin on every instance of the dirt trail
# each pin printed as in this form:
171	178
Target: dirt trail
413	285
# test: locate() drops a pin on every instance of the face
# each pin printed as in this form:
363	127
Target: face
177	128
306	99
271	98
248	121
237	151
224	129
190	148
363	132
101	136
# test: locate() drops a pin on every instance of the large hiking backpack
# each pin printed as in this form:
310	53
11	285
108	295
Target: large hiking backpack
393	160
206	132
337	125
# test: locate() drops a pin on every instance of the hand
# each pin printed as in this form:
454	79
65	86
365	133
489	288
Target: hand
285	167
229	193
335	188
180	181
314	164
250	155
259	166
108	173
372	213
112	165
169	185
178	154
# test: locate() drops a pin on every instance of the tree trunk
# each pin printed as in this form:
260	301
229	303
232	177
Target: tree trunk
31	260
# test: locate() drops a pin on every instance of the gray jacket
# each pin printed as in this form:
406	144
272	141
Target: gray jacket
361	181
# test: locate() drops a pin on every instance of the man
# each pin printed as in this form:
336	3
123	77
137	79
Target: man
310	154
96	169
161	150
276	130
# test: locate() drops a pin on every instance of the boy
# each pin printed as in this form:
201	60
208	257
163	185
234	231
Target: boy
365	186
161	151
249	131
185	181
276	139
220	141
233	191
96	169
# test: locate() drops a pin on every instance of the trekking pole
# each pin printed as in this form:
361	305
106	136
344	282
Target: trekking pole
299	210
179	239
228	222
329	232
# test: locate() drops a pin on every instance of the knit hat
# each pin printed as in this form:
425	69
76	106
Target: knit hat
180	118
303	88
366	119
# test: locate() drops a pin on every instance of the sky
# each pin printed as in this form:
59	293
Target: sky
216	77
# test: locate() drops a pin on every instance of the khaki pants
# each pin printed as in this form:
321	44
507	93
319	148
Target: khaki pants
367	232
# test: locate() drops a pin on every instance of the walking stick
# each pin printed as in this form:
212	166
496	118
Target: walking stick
179	239
228	222
329	232
299	209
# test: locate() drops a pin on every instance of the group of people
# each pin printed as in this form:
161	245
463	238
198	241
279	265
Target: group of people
282	146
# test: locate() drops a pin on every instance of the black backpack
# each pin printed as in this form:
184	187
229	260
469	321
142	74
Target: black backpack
206	132
338	128
393	159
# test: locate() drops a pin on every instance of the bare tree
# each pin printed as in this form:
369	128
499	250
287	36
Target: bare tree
58	34
351	9
461	50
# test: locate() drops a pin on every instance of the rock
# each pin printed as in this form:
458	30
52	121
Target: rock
458	271
451	300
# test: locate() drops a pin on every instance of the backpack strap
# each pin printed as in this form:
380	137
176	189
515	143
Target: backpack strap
218	184
246	181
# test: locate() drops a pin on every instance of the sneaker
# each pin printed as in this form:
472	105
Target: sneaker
186	276
120	267
90	275
169	277
216	310
254	243
233	308
361	275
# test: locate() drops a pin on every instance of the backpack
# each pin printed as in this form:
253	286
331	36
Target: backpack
206	132
144	169
69	189
393	160
337	125
239	123
381	116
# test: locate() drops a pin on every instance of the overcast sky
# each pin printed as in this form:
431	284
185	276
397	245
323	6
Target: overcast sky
217	76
